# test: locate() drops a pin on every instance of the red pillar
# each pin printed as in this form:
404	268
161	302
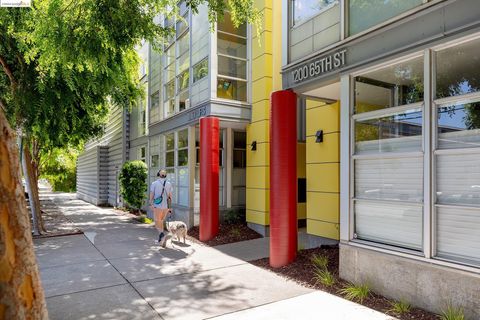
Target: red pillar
209	135
283	178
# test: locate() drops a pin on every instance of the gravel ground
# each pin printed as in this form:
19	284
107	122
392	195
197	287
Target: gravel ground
228	233
302	270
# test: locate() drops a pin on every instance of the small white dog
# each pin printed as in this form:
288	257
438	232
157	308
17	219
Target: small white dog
177	228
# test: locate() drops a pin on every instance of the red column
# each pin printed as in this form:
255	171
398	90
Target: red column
209	135
283	178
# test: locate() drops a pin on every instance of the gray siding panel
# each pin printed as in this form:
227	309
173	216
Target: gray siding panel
98	166
116	155
89	186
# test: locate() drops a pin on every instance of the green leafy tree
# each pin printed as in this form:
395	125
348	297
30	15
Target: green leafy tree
133	185
58	166
62	64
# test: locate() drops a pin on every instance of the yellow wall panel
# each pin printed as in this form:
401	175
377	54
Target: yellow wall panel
258	177
259	4
314	103
262	218
259	157
261	110
258	131
267	20
258	200
323	177
301	153
262	67
301	211
323	229
323	206
326	118
265	45
326	151
261	89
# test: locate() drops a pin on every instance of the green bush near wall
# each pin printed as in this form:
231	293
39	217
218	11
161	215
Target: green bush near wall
133	185
58	166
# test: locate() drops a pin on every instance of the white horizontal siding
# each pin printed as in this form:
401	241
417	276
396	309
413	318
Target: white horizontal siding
389	179
395	224
458	234
458	179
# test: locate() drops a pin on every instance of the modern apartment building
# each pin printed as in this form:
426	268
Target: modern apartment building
379	112
391	98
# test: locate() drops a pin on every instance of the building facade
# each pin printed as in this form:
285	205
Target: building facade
392	89
387	133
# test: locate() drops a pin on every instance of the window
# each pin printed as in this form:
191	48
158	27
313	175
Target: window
182	85
177	64
457	153
388	157
156	156
239	168
169	98
182	167
231	89
142	117
232	60
364	14
239	149
304	9
155	107
200	70
142	154
390	142
170	150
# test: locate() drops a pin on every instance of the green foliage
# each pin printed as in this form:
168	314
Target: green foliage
133	185
399	307
356	292
59	167
320	261
235	232
234	216
64	62
452	313
324	277
144	219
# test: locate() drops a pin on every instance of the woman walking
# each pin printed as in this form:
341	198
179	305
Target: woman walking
160	196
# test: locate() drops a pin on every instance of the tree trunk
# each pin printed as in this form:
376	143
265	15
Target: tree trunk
33	194
28	187
21	294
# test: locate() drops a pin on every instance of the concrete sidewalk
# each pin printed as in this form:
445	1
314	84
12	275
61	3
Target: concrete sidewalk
115	270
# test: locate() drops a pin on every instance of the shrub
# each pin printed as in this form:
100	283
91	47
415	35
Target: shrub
133	185
399	307
233	216
58	166
319	261
452	313
356	292
324	277
235	232
144	219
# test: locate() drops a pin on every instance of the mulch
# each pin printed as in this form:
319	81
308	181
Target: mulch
228	233
56	223
302	272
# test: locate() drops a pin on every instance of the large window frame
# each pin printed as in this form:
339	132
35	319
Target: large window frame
430	152
232	81
176	96
395	155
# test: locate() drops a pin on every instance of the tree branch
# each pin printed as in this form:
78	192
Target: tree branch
2	105
8	72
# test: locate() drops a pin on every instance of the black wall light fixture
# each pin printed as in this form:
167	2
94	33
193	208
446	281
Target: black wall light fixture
253	145
319	136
